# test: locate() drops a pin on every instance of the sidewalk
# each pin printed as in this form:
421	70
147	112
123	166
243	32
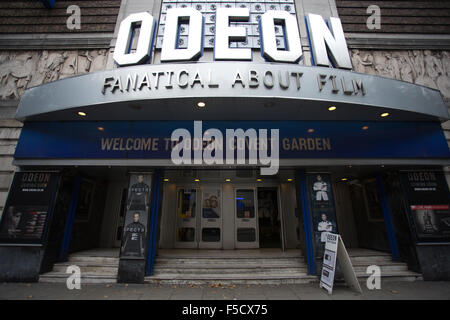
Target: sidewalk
389	290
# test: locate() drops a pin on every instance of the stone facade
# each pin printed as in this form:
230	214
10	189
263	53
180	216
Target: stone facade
423	67
20	70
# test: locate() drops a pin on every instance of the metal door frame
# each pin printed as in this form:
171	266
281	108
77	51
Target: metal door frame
194	244
120	221
211	245
250	186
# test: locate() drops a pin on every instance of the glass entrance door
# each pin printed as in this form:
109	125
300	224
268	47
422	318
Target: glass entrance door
211	220
186	235
246	233
199	217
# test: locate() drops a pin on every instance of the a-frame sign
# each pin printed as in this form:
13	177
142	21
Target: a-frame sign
335	248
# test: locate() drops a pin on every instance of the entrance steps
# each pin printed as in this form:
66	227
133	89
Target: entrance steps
97	266
228	267
197	267
390	270
261	266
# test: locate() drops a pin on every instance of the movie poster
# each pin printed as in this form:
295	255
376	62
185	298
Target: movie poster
134	240
211	204
28	207
322	208
429	204
432	221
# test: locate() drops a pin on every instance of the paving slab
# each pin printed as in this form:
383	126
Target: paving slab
417	290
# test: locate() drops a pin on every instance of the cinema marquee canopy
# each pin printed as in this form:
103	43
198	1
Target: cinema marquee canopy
233	87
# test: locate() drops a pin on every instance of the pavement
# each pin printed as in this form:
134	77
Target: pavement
416	290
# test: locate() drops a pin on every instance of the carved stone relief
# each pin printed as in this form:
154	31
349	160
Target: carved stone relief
423	67
22	70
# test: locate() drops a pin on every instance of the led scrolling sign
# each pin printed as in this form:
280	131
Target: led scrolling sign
183	35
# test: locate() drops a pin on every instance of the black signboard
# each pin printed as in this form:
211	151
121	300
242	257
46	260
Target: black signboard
134	238
322	208
429	204
27	209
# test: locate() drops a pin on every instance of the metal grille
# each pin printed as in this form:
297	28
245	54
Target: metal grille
208	9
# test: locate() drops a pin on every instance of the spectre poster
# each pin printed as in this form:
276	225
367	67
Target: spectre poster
134	240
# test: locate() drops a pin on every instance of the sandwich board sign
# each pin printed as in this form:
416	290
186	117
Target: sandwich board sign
334	248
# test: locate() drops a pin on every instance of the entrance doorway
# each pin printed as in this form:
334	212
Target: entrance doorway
227	209
199	217
359	213
89	212
257	218
98	202
269	220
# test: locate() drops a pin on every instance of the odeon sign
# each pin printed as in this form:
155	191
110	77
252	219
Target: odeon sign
326	43
162	91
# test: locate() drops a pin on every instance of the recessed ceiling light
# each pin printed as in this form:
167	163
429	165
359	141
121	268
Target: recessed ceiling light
365	127
82	114
332	108
384	114
201	104
310	130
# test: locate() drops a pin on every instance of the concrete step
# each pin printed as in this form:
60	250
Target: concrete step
95	268
87	268
235	268
393	276
223	279
371	259
231	261
248	265
93	260
228	254
384	268
186	271
202	269
61	277
390	270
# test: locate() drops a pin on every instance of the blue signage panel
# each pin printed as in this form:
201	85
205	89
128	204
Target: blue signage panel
297	139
